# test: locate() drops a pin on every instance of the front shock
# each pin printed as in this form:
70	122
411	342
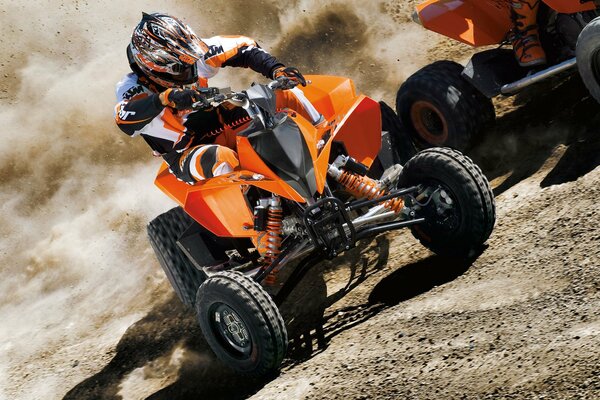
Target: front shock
364	187
272	238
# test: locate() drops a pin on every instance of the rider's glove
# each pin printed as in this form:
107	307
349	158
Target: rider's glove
180	99
291	73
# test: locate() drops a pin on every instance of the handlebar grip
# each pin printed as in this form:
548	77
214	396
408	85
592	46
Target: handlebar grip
202	104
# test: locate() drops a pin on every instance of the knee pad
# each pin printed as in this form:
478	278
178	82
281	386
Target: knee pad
207	161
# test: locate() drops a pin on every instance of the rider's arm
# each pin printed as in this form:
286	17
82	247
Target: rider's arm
240	51
139	111
132	115
136	106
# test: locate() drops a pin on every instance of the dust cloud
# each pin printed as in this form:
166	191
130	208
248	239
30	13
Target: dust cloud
76	193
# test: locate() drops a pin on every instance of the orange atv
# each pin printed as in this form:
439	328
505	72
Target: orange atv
239	243
446	104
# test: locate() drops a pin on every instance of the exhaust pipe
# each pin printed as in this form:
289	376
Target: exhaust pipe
512	88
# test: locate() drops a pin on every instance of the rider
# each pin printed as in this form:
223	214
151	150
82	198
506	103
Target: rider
170	63
524	36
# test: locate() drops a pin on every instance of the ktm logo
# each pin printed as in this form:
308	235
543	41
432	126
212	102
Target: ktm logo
132	92
213	51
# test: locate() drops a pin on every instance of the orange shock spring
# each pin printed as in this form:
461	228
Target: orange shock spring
363	186
360	186
274	237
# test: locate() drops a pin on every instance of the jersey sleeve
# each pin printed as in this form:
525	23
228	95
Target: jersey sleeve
140	112
239	51
136	106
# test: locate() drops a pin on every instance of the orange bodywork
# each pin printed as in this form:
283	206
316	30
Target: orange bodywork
480	22
219	203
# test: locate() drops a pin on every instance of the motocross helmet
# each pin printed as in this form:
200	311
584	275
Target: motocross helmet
165	50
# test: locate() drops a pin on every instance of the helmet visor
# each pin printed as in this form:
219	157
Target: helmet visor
179	74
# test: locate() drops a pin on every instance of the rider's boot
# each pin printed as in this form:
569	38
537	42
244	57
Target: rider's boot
525	37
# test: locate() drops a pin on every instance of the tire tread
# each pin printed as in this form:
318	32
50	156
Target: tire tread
163	233
473	181
472	113
272	326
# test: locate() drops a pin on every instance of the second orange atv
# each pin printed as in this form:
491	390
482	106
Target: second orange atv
239	243
446	104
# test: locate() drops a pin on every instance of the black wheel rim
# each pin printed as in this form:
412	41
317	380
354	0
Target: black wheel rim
449	222
231	330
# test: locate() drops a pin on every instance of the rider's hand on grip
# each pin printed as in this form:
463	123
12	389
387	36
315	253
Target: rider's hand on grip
290	72
181	99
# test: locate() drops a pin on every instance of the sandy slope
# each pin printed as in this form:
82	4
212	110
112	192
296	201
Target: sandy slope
520	322
86	311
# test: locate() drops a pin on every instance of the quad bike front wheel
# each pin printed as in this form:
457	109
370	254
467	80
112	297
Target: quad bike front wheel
588	57
163	233
241	323
461	218
438	107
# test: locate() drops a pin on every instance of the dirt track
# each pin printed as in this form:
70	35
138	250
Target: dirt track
394	321
388	320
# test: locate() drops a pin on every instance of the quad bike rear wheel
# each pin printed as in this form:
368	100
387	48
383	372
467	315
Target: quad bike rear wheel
241	323
588	57
468	223
163	232
438	107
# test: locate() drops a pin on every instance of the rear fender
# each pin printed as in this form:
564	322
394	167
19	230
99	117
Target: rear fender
476	23
481	22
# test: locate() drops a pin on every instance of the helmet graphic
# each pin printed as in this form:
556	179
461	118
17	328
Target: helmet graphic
166	50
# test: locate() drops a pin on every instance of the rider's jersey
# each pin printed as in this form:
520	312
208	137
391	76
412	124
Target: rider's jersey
140	112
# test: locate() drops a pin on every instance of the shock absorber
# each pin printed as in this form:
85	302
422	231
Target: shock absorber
273	237
360	186
364	187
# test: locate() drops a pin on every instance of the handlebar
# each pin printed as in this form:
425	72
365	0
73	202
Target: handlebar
222	96
215	96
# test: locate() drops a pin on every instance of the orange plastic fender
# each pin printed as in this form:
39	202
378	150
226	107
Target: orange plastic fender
222	209
220	206
219	203
170	185
480	22
331	95
360	131
477	23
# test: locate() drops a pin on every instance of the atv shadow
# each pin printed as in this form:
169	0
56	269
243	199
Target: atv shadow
582	156
522	140
315	326
170	325
167	326
305	308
